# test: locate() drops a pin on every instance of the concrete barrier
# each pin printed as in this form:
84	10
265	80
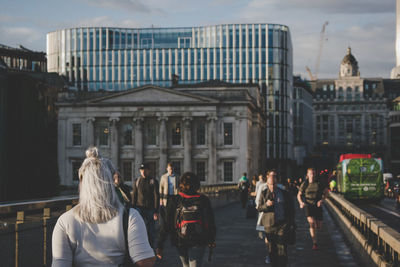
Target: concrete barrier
375	242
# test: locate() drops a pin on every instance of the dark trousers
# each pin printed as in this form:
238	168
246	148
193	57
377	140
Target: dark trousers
277	247
243	198
147	215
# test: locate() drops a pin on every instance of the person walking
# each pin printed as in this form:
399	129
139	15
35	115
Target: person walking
313	193
146	199
277	219
91	233
260	187
243	186
123	190
189	222
168	185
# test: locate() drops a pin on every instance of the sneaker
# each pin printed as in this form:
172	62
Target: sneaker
267	260
315	246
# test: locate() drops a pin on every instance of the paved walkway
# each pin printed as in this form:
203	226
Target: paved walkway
238	245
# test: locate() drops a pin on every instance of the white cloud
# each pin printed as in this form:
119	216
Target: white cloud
328	6
28	37
131	6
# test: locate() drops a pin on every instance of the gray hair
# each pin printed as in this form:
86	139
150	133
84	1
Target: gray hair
98	201
92	152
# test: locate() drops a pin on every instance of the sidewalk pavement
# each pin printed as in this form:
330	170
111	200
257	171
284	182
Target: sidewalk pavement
238	244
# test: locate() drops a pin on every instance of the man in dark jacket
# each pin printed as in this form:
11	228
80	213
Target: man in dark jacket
278	216
146	199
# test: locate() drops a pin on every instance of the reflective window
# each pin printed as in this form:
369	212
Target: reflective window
176	133
200	133
127	131
201	170
228	139
228	171
76	134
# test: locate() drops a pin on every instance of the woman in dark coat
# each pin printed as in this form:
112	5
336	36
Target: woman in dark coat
189	221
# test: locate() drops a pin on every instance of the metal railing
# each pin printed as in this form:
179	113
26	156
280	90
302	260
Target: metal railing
380	241
27	227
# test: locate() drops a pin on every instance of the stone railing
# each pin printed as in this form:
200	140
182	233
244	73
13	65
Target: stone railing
373	240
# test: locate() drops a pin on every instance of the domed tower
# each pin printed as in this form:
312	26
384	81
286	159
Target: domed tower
349	66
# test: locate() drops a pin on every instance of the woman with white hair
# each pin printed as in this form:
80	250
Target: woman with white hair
92	233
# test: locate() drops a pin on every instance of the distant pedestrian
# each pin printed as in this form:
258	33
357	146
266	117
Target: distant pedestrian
260	187
189	221
313	193
243	186
123	190
91	233
146	199
168	185
277	219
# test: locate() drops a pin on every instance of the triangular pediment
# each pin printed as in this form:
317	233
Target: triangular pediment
152	94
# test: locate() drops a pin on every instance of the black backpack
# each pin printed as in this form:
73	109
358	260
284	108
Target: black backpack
190	220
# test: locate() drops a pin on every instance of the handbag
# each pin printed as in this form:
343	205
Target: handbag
125	220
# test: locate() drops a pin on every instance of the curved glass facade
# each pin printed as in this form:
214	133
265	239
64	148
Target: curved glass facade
119	58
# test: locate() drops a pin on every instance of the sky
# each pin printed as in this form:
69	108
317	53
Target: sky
367	26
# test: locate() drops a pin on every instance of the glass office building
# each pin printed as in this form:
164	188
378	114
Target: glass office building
119	58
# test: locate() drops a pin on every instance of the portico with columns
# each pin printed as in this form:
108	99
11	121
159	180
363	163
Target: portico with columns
212	130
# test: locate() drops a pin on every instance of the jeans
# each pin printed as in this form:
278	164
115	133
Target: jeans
148	217
191	257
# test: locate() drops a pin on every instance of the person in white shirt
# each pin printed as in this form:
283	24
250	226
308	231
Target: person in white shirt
91	234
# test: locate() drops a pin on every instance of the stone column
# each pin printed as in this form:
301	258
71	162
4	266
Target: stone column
212	150
138	127
114	141
187	144
242	141
90	132
163	144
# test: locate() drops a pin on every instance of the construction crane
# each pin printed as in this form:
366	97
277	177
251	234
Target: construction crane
318	60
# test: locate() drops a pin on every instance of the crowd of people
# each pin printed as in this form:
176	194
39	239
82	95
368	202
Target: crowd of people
274	201
117	225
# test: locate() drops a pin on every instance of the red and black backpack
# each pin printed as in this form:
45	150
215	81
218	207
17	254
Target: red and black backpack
191	223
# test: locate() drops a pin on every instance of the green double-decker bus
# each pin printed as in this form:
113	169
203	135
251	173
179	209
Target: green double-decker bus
360	177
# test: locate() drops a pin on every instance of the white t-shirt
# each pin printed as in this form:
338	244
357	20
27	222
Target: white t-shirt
77	243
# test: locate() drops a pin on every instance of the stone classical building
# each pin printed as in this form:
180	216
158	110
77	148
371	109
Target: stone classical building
95	58
214	129
350	113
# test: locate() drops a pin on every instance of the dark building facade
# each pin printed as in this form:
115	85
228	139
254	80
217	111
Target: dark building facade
394	134
303	129
23	59
351	114
28	133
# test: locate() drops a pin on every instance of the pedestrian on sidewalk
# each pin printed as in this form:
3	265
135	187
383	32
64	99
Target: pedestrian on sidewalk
189	221
260	187
91	233
168	187
146	199
277	219
243	186
123	190
314	194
